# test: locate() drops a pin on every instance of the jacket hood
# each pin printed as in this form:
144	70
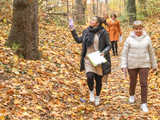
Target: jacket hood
133	35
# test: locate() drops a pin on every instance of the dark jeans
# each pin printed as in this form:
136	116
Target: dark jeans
90	80
143	76
114	47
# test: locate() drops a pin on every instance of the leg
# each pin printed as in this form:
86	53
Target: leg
98	84
133	80
116	47
112	43
143	75
90	80
98	88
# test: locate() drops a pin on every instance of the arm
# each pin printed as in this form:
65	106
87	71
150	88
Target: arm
152	55
108	44
124	56
75	36
119	28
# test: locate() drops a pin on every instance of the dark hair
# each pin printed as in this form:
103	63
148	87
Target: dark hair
114	15
99	20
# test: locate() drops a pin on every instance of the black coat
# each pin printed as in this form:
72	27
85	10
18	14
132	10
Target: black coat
104	46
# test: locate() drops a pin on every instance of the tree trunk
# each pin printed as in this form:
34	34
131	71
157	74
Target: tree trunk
101	8
24	30
131	9
94	7
106	4
97	12
79	12
143	7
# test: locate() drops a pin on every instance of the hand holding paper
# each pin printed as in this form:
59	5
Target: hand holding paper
96	58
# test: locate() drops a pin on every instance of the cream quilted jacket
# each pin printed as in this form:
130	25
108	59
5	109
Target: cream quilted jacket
138	52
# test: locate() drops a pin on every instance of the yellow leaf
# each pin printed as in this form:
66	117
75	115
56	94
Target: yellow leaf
155	117
81	118
26	114
2	117
15	58
17	101
90	108
30	72
36	119
4	20
39	107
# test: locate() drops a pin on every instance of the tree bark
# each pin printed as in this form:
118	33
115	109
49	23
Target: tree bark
24	30
106	4
131	9
101	8
94	7
97	8
79	12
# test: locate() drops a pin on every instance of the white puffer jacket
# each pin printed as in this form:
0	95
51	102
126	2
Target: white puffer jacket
138	52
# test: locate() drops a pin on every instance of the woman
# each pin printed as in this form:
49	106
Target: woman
94	38
138	57
114	33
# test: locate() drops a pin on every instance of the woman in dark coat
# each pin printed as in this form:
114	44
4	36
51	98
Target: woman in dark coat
94	38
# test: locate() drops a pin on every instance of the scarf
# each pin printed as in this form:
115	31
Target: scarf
90	35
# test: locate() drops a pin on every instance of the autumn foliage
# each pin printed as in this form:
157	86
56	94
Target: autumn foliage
53	88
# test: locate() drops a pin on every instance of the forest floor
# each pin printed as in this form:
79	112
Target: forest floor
53	88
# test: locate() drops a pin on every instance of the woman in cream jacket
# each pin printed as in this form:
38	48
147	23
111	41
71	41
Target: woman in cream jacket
138	58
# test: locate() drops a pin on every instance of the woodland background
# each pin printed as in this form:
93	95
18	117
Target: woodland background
39	71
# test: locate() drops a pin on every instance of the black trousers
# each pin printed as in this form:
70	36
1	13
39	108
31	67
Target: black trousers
114	47
90	80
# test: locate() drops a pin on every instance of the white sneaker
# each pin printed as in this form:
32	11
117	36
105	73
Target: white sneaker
97	100
144	107
131	99
91	96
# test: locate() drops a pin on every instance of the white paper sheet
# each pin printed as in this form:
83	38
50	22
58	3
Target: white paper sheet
96	58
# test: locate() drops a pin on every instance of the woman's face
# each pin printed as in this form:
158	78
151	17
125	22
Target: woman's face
94	22
113	17
138	30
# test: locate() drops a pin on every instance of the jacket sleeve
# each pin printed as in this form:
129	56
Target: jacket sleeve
152	55
124	56
108	44
119	28
76	38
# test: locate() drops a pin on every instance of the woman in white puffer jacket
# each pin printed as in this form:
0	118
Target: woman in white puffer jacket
138	57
